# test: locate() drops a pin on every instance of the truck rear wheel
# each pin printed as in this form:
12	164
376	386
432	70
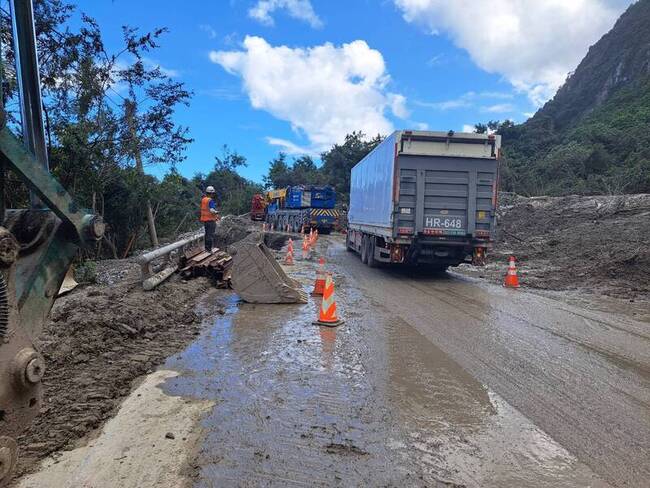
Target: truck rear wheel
370	252
364	249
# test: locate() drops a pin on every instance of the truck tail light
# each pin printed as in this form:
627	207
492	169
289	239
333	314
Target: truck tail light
405	230
482	233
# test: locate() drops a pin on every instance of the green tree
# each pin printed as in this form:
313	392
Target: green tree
234	192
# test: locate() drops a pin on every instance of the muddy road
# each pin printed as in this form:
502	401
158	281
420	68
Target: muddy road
432	381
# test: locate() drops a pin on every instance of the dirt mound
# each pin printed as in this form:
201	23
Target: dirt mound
112	271
276	240
232	229
595	242
97	341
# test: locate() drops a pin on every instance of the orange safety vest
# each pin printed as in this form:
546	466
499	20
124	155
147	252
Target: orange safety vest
206	215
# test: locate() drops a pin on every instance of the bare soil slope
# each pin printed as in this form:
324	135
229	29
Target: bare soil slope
97	341
595	243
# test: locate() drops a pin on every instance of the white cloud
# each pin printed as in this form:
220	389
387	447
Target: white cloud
421	126
324	92
498	95
222	93
290	147
468	128
209	30
446	105
398	105
152	64
436	60
470	99
500	108
534	44
298	9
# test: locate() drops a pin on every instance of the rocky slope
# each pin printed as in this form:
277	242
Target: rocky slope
592	137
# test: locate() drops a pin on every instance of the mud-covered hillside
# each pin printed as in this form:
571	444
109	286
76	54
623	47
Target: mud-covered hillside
576	242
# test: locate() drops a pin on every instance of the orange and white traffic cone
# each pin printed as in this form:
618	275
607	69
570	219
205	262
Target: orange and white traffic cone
302	229
319	284
327	315
289	259
512	281
305	249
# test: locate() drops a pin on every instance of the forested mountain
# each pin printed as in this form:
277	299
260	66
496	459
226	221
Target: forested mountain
594	135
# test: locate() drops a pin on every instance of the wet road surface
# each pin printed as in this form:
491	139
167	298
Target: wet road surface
431	381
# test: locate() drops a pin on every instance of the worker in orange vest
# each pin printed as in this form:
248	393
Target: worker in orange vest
209	217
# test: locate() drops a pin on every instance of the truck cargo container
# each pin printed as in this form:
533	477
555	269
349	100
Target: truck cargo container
425	198
308	205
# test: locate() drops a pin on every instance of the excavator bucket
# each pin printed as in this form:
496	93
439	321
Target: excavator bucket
258	278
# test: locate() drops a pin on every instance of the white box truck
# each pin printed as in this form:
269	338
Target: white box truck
425	198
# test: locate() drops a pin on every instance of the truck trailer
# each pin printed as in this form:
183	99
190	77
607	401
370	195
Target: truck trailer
310	206
425	198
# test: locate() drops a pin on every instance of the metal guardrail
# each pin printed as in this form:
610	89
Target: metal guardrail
158	265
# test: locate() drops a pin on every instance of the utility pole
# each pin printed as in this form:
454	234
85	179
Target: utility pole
130	111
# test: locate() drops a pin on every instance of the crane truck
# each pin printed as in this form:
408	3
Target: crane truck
309	205
425	198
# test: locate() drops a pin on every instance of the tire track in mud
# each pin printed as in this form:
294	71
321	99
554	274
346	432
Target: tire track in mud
595	408
296	404
630	352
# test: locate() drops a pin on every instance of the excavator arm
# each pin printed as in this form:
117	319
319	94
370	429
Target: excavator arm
37	246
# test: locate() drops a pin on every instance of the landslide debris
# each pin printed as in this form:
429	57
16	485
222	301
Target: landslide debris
599	243
97	341
232	229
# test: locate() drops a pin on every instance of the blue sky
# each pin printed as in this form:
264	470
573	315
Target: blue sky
296	75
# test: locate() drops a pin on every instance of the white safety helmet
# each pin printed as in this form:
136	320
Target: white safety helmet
209	189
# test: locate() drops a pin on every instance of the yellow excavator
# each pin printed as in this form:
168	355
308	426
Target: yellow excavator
37	246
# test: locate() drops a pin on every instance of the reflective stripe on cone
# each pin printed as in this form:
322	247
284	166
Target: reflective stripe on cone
512	281
327	315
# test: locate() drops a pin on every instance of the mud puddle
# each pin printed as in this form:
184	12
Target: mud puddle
370	403
461	430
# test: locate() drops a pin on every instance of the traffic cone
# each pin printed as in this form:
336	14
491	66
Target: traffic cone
289	259
512	281
290	246
305	249
302	229
319	284
327	315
